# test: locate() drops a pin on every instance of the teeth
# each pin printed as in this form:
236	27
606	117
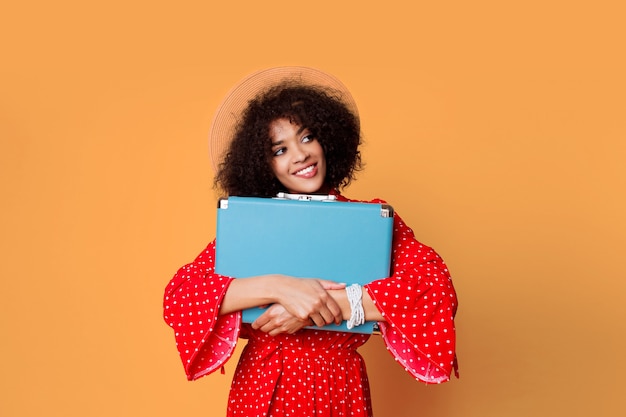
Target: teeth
305	170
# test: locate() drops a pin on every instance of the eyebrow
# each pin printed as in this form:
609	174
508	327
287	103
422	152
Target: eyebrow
279	142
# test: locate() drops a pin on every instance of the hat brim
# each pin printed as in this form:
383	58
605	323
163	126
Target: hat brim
229	112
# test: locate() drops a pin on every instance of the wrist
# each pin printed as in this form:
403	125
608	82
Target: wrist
355	299
341	298
275	287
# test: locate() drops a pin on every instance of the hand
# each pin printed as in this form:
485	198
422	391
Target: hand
307	298
276	320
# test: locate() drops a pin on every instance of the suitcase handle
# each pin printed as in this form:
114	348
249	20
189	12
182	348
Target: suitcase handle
305	197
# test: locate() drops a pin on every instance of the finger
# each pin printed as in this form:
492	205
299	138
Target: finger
318	320
280	330
299	326
260	321
271	330
335	311
332	285
270	326
327	316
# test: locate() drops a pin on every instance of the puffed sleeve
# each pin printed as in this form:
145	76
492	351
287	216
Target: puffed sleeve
419	303
205	340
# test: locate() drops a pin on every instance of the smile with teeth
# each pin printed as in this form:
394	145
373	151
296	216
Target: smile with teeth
306	172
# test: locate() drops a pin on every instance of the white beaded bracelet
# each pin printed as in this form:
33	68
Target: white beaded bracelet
355	297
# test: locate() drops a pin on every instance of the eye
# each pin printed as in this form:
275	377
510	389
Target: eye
279	151
308	138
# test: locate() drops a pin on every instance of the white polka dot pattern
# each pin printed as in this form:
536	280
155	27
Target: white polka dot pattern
310	373
317	373
419	303
190	306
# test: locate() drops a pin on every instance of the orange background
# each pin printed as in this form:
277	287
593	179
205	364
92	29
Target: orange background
496	129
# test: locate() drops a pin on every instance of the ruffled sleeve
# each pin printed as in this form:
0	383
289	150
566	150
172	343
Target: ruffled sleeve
205	340
419	303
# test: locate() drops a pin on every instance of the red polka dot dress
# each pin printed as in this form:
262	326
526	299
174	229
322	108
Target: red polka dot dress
315	372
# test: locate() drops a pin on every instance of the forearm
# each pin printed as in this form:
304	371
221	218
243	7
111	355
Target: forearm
303	298
249	292
371	312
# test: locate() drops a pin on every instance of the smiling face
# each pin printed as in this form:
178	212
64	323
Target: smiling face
298	160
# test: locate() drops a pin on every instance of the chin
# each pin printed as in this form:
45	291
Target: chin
312	189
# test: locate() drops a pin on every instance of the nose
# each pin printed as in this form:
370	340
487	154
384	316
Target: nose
299	154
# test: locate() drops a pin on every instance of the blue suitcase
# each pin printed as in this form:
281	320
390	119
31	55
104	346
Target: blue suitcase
304	237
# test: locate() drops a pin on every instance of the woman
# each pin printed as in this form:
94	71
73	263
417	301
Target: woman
296	130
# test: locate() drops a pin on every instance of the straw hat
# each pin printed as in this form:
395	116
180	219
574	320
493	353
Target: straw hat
229	112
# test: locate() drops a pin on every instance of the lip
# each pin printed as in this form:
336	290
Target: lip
309	174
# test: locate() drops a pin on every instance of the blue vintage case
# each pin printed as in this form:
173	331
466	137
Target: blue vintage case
341	241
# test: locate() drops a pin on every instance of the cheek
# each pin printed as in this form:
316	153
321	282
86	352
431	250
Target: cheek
320	151
275	167
322	156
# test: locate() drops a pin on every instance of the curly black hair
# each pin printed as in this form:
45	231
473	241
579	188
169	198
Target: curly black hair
246	168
